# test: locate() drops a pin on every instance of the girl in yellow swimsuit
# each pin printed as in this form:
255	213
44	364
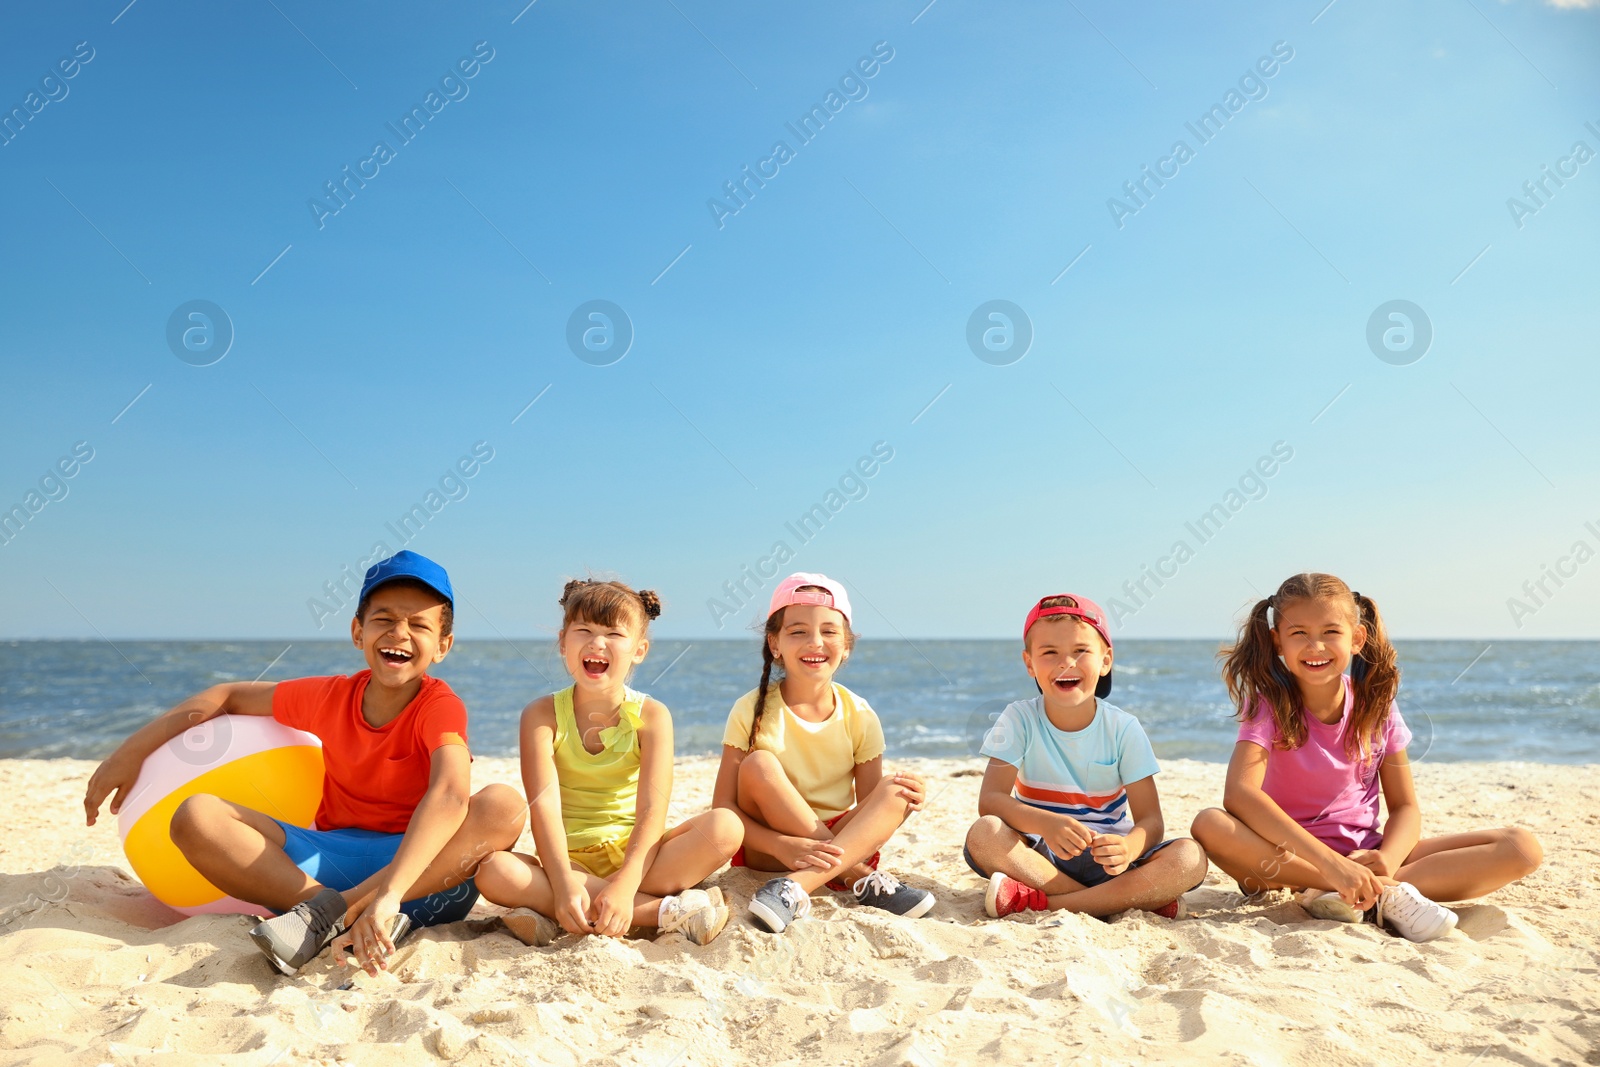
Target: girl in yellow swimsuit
597	763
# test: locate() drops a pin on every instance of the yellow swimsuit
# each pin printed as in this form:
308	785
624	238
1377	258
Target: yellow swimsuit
599	790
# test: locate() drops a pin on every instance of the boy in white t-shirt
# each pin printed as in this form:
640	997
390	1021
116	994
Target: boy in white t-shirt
1069	815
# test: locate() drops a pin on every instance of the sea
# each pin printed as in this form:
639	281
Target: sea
1464	700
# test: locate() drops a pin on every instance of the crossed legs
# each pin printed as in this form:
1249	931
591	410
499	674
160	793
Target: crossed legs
1166	875
685	856
241	851
767	795
1453	867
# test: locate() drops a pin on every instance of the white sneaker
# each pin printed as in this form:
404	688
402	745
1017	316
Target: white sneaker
1324	904
1413	916
698	913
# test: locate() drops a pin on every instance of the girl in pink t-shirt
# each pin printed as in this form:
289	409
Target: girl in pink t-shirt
1314	677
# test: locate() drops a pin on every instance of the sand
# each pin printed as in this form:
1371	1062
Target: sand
96	971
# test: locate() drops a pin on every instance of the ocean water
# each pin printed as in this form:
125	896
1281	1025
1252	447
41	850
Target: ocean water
1464	700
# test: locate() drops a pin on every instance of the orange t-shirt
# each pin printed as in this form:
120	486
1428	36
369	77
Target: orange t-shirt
373	777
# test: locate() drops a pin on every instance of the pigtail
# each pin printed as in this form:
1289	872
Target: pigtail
1254	677
761	690
1375	676
768	636
608	603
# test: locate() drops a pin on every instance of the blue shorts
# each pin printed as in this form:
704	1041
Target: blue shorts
343	859
1080	868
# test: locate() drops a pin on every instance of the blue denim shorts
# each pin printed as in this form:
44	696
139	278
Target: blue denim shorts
343	859
1080	868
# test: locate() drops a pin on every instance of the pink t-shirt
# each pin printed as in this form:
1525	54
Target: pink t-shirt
1317	785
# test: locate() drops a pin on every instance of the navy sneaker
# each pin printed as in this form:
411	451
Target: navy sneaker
779	903
880	889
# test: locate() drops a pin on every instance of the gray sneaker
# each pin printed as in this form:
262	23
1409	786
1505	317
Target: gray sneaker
299	935
880	889
779	903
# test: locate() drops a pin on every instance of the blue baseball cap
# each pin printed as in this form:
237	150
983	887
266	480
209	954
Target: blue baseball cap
408	564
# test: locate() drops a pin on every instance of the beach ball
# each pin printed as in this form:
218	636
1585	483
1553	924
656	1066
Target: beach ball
251	760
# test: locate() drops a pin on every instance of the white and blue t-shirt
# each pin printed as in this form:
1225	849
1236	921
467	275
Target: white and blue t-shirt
1081	773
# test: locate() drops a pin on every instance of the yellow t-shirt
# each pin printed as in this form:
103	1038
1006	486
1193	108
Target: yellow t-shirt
819	757
599	790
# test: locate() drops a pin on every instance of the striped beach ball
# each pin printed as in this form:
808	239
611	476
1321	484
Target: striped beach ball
251	760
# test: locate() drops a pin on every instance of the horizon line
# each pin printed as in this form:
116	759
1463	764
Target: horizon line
503	639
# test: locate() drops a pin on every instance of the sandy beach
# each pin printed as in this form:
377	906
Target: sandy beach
96	971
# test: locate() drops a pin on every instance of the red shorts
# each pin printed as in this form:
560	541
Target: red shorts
738	857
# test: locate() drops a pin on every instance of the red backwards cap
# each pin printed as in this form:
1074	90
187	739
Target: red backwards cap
1079	608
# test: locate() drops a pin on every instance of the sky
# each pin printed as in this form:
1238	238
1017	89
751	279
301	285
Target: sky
1155	303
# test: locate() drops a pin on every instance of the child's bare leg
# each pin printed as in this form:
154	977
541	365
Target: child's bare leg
767	796
1170	872
997	847
1175	869
514	880
868	827
686	855
494	821
240	851
1464	866
690	852
1251	860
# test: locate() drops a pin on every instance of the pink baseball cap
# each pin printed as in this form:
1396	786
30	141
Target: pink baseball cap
1079	608
789	592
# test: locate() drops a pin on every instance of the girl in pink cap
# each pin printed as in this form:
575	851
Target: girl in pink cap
802	766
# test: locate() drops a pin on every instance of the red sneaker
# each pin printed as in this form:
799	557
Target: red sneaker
1007	896
1172	909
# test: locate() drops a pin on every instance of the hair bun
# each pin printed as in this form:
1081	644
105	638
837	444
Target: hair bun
651	602
569	589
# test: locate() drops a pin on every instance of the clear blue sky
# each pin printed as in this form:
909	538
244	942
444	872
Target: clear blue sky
375	346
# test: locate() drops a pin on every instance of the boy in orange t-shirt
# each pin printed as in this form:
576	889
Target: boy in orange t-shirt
398	834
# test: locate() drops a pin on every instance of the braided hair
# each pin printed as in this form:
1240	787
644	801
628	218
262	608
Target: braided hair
768	637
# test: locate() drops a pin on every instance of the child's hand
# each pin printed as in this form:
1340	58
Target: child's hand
612	910
116	775
1355	884
807	853
910	788
1111	852
1371	859
367	941
1068	837
572	907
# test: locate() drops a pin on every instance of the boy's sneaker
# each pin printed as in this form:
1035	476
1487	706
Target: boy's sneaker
880	889
299	935
1007	896
1323	904
530	927
1412	915
779	903
1172	909
700	914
